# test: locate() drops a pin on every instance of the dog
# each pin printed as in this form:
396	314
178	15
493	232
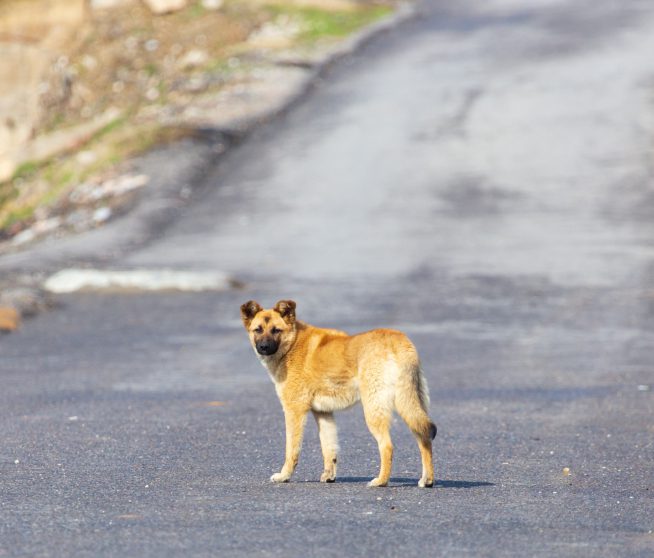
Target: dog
326	370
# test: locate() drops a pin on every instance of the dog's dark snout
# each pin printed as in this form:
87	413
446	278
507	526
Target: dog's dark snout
266	347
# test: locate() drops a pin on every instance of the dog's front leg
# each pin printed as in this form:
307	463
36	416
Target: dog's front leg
329	443
295	419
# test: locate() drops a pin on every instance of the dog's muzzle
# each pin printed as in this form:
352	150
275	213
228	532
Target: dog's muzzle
267	347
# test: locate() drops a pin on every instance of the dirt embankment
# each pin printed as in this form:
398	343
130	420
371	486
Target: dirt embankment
85	84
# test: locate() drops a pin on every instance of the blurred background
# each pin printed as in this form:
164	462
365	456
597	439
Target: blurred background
85	84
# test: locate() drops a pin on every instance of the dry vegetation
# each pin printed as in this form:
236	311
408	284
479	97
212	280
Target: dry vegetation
140	64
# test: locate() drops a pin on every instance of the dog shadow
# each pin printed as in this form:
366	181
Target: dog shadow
404	481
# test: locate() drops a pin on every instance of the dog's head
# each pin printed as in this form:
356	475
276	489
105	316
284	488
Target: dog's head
270	331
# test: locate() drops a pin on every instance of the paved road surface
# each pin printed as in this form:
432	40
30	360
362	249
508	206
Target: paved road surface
480	177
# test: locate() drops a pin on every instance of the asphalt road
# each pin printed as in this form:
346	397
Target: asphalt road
480	177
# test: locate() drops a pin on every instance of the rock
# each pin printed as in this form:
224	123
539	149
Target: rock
79	219
9	319
39	228
89	62
25	301
275	34
212	4
152	94
7	167
126	183
89	192
86	158
46	226
151	45
23	237
108	4
193	59
101	214
165	6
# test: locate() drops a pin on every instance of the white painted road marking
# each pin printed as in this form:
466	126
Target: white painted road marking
71	280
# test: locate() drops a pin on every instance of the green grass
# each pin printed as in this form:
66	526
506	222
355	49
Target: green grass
60	182
22	214
317	23
61	173
26	170
151	69
112	144
114	125
7	192
195	10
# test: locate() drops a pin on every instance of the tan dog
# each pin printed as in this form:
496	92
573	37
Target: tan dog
325	370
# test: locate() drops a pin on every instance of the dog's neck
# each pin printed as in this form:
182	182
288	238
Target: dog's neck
275	364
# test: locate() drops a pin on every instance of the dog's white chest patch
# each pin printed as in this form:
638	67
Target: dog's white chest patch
265	362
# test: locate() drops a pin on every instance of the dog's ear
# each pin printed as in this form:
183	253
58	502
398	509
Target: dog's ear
249	310
286	309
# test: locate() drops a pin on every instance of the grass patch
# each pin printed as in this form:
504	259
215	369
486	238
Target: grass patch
26	170
7	192
114	125
21	214
195	10
151	69
112	144
317	23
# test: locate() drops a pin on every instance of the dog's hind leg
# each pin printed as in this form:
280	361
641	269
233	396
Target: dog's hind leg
423	430
411	402
378	410
329	443
379	426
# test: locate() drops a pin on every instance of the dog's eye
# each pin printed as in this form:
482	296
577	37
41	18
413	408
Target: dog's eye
258	329
276	330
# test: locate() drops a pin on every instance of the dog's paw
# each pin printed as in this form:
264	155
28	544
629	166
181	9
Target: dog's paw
377	482
425	483
279	477
327	476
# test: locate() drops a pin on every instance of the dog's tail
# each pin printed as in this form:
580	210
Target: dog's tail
412	402
423	395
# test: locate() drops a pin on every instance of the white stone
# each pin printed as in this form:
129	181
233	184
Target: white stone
165	6
7	169
102	214
47	225
23	237
86	157
152	94
108	4
193	59
212	4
